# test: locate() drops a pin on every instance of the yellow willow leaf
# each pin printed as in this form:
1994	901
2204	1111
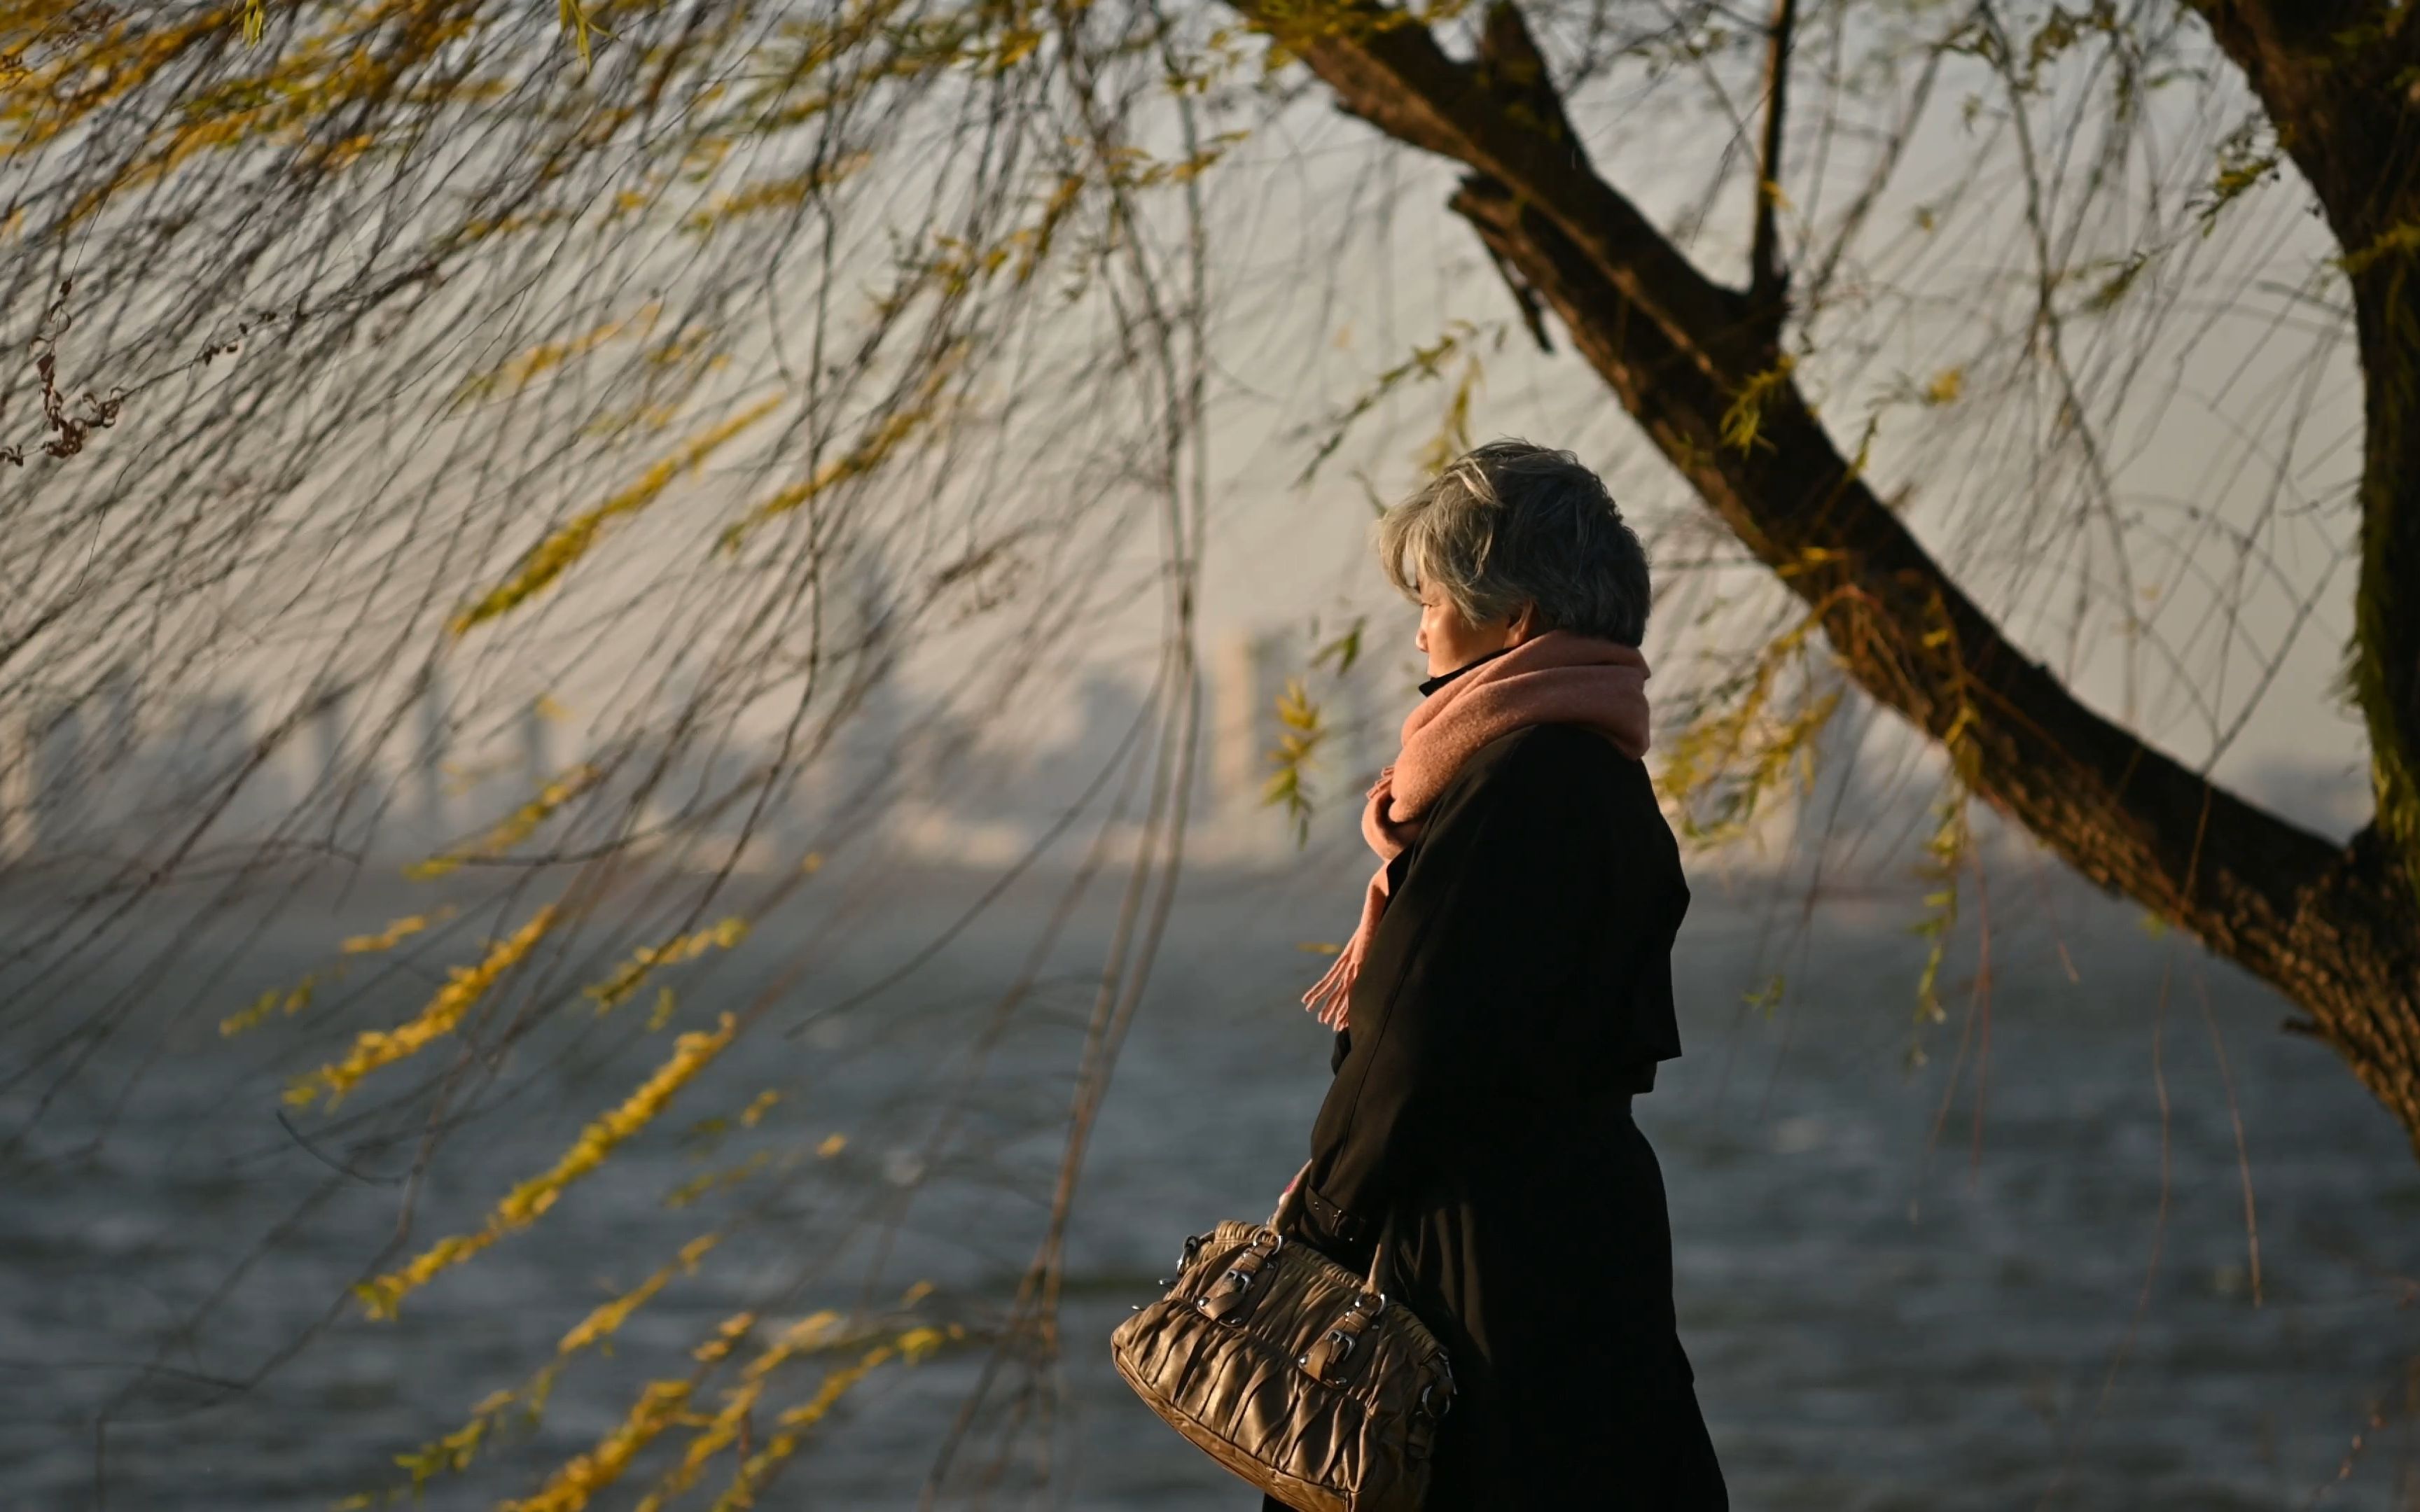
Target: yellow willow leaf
395	934
307	85
774	194
728	1333
570	1489
2396	242
516	374
295	999
649	418
917	1343
873	448
792	1425
609	1317
809	1333
616	989
754	1112
729	1420
833	1145
721	1432
555	555
1945	386
454	1452
665	1002
575	20
515	827
97	69
1743	420
375	1048
705	1181
523	1204
1730	753
683	347
337	156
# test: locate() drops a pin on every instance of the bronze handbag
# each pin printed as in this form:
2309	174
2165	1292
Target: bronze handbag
1290	1371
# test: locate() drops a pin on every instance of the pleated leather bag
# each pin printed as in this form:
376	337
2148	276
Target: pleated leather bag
1290	1371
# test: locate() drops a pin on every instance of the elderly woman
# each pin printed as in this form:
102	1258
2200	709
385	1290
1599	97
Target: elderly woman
1507	994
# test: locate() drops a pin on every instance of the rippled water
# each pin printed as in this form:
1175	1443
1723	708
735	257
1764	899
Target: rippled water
1873	1325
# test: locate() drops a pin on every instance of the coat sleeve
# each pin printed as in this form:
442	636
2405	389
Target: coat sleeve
1489	923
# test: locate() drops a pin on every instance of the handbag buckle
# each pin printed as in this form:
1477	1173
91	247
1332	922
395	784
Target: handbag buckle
1333	1348
1224	1301
1324	1360
1436	1415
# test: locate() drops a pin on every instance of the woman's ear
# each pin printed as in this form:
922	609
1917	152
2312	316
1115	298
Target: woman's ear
1524	623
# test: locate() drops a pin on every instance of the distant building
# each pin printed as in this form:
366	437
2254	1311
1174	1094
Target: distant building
537	755
1247	675
196	752
59	812
863	768
854	776
16	784
116	747
1107	704
327	743
428	761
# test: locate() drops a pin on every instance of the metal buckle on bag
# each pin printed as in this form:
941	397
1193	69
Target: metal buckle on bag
1339	1348
1436	1415
1227	1294
1326	1360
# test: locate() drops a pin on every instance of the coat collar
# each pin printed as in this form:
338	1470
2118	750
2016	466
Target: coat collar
1443	678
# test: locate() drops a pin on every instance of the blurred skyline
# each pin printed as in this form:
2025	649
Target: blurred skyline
94	778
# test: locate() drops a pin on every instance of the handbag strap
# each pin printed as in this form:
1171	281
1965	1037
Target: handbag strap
1291	1204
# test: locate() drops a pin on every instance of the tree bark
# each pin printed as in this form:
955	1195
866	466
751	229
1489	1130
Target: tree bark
2335	930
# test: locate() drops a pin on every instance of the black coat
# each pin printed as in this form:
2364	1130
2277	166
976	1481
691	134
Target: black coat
1517	990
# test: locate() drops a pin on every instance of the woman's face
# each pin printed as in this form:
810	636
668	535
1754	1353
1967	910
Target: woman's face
1453	642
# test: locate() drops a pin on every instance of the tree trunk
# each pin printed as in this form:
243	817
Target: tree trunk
2335	931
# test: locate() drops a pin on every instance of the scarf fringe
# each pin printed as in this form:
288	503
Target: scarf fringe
1330	996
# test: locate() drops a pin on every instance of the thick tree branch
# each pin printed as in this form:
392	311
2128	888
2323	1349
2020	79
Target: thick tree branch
2340	80
1768	282
1390	71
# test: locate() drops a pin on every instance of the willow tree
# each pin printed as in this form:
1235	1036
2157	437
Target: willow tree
619	352
1696	359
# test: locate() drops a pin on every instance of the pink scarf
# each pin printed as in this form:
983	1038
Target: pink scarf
1560	677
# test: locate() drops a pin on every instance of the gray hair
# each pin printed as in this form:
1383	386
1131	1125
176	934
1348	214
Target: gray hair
1513	523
